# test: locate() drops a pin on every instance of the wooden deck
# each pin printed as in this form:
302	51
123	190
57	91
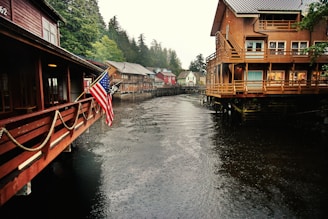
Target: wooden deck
28	143
266	88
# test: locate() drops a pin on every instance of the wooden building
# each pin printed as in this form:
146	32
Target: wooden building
168	77
187	78
40	115
260	51
134	80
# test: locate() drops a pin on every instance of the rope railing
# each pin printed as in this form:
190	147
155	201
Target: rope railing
57	115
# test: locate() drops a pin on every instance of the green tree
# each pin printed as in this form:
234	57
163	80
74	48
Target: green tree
198	65
174	62
158	56
116	33
84	24
132	54
143	51
317	12
105	49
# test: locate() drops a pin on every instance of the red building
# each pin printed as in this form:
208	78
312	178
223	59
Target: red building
168	77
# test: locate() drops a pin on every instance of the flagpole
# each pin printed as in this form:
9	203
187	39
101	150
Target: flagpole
94	82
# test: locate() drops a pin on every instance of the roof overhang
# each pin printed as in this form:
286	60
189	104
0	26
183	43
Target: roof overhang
279	12
13	31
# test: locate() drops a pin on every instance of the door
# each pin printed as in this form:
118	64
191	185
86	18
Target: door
254	79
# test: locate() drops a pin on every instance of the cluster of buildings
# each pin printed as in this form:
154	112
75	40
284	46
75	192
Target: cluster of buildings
136	80
44	105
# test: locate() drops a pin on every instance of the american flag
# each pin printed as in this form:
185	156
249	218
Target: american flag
101	92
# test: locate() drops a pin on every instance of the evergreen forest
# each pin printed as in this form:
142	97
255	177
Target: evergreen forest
85	34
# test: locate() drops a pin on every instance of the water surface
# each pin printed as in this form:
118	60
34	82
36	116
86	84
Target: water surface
171	157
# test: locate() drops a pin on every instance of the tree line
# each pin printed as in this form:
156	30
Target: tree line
85	34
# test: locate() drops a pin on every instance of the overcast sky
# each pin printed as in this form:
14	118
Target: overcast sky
180	25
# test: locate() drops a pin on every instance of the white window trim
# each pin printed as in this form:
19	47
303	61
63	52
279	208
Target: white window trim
299	49
51	29
275	51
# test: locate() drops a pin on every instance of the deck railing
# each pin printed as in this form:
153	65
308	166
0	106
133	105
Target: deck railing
228	50
29	142
240	87
276	25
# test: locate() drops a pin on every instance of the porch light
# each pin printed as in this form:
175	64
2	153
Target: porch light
52	65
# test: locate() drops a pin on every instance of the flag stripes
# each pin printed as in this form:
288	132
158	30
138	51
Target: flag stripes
100	91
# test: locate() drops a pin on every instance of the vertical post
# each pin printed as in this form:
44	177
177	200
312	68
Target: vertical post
68	84
39	85
246	72
221	76
233	73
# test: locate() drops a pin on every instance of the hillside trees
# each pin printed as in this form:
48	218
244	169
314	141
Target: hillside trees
84	24
105	49
138	51
86	34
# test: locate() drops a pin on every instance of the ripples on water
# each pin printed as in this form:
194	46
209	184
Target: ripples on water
170	157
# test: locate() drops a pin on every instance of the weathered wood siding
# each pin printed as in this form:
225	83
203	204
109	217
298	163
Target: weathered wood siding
25	14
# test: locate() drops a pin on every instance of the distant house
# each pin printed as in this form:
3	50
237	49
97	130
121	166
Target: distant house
187	78
200	78
168	77
132	77
158	82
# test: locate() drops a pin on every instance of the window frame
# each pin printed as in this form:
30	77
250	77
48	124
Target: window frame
276	50
49	31
299	51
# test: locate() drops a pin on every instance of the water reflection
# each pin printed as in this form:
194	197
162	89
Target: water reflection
282	171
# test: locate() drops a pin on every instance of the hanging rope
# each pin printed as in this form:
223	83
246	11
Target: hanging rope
76	118
3	129
52	127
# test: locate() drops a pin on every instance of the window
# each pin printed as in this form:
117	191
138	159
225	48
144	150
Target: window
87	83
254	49
277	47
4	93
49	31
299	47
298	76
253	46
53	91
277	75
320	76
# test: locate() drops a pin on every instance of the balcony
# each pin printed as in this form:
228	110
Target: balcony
230	55
276	25
241	88
229	51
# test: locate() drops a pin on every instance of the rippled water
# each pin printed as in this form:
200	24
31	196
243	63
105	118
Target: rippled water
170	157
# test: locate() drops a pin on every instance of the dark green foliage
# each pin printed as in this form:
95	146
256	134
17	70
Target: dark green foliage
86	34
84	24
198	65
317	11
